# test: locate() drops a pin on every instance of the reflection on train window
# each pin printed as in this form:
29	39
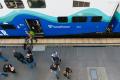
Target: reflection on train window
81	4
7	26
36	3
1	6
96	18
79	19
14	3
62	19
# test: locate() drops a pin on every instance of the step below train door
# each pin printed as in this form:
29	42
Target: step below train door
35	26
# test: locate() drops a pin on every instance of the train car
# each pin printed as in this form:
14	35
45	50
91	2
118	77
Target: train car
55	18
115	24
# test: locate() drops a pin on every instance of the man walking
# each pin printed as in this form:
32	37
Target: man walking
55	69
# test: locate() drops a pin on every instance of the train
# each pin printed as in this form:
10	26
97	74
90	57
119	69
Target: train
57	18
115	23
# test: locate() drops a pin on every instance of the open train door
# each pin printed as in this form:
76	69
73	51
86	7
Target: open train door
35	26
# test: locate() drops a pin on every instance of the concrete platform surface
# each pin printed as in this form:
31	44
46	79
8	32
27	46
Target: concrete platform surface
78	58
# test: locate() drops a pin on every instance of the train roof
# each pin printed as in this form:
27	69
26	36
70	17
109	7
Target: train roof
59	7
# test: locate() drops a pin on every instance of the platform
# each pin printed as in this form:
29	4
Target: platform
66	41
106	61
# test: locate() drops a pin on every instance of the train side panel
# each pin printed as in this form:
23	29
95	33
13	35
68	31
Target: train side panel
56	20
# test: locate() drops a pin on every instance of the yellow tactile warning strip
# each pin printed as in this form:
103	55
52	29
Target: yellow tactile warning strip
98	73
68	41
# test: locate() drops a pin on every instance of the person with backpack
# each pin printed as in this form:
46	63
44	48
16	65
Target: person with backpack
19	56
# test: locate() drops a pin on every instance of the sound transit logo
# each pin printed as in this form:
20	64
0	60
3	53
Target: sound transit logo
3	33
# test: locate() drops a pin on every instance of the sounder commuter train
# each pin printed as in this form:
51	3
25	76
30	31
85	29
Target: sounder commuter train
56	18
115	23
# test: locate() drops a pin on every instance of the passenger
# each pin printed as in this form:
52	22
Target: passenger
29	49
55	58
30	60
67	72
19	56
55	69
31	36
2	58
9	68
27	46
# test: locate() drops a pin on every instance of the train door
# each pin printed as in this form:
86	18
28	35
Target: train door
35	26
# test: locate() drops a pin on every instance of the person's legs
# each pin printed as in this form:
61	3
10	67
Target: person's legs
35	39
32	64
56	74
27	40
2	58
31	41
68	75
24	46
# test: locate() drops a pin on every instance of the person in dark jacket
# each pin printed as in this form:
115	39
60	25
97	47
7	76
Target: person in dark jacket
19	56
27	47
55	58
30	60
55	69
9	68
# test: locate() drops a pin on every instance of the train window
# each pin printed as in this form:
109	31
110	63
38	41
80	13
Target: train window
62	19
14	3
80	4
79	19
1	6
96	19
7	26
36	3
86	4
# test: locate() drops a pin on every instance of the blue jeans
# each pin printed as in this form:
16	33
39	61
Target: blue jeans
32	65
56	73
2	58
